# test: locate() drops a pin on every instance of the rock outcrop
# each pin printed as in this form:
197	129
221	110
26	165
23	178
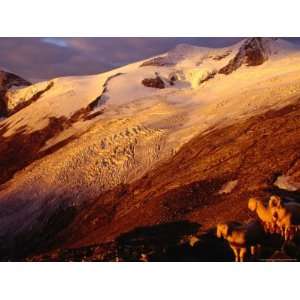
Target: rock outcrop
8	81
156	82
253	52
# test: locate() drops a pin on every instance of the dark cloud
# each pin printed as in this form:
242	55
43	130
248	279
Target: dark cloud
43	58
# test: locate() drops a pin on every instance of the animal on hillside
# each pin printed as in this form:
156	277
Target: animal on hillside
243	239
286	216
263	213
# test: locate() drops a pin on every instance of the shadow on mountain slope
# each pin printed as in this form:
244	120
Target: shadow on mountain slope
162	242
170	242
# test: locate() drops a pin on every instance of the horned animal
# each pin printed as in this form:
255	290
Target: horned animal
263	213
242	238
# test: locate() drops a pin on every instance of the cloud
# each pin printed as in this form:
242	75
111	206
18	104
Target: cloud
32	58
55	41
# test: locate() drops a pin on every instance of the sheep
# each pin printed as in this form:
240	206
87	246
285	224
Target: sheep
241	237
275	202
263	213
286	215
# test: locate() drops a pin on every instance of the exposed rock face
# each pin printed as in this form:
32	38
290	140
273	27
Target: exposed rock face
253	52
7	81
100	100
154	82
256	53
3	110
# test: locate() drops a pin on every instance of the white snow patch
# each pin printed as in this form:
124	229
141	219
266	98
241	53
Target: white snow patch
287	183
228	187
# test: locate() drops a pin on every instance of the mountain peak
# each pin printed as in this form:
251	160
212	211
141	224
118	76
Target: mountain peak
256	50
252	52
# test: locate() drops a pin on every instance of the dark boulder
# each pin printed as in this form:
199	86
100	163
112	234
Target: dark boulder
156	82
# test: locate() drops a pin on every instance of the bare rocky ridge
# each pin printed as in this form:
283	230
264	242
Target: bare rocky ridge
8	81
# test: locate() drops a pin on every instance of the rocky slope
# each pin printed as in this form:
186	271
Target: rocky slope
96	157
187	195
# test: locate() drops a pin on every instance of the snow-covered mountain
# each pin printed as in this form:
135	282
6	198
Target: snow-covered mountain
67	141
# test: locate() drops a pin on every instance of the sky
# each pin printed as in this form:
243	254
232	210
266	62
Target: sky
37	59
